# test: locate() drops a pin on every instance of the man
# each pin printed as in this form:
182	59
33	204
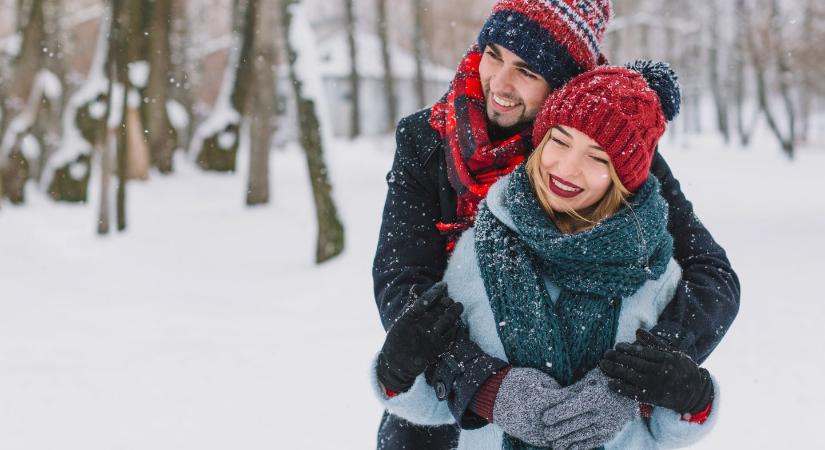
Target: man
448	156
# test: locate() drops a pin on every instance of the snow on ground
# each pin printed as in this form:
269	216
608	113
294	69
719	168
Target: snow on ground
207	326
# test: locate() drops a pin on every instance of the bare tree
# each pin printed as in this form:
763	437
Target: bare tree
127	27
28	134
217	150
264	105
769	57
354	79
330	231
386	62
418	53
714	62
161	134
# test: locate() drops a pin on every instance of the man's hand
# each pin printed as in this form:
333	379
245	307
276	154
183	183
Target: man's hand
423	332
652	371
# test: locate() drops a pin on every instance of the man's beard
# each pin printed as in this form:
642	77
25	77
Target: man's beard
498	132
493	116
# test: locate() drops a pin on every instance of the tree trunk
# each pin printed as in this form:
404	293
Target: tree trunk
718	92
37	85
757	54
264	106
69	181
330	231
127	26
162	136
104	145
389	80
354	79
28	61
13	163
739	72
215	155
418	53
181	87
47	128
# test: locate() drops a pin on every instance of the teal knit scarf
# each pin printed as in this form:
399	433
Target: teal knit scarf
594	269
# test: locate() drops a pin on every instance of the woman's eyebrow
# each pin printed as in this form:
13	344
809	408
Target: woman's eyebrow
562	131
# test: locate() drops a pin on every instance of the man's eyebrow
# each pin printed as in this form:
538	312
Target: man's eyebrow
524	65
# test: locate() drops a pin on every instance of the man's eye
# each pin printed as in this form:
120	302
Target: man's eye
492	55
528	74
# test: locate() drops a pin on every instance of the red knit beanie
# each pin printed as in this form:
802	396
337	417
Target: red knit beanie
617	108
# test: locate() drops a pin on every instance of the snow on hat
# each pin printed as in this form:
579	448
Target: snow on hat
559	39
622	109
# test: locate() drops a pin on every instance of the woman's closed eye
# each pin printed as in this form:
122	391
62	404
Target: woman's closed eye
559	142
600	159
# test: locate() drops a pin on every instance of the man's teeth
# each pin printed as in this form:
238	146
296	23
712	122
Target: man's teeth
564	187
503	102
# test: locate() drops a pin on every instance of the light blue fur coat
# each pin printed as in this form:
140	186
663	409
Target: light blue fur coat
419	405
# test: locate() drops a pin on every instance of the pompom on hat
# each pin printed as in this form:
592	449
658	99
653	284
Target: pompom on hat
559	39
624	109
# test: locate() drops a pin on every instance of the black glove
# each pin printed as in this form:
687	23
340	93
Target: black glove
423	332
651	371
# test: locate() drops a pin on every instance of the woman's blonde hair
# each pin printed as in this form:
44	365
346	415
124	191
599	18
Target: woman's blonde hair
571	221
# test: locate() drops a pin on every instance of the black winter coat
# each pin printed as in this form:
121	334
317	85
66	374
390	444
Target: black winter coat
411	257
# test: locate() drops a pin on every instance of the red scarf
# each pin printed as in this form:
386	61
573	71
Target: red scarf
474	161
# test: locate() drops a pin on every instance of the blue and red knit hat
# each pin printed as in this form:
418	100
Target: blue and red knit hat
559	39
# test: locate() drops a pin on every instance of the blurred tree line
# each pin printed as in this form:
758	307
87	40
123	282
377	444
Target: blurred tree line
116	87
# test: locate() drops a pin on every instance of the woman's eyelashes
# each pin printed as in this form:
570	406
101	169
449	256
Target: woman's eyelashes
600	159
559	142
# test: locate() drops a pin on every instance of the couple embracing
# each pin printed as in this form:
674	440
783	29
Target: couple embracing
543	280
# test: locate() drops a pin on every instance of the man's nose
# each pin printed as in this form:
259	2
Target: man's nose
502	81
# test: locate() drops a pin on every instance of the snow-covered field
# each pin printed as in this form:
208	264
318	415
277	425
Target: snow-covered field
207	326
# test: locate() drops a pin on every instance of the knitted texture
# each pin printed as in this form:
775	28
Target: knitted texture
557	38
594	270
474	161
615	107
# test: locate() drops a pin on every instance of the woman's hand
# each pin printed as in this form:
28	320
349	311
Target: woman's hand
652	371
423	332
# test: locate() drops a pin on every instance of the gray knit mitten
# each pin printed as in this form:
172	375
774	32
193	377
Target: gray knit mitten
590	418
525	394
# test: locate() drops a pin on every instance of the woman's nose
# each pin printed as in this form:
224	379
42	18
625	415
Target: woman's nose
569	164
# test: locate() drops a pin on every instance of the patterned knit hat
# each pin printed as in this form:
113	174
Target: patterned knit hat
559	39
624	109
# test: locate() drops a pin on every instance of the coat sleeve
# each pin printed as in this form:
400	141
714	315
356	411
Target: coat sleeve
410	256
670	431
418	405
707	298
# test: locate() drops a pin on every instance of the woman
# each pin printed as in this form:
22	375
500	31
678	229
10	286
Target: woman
569	254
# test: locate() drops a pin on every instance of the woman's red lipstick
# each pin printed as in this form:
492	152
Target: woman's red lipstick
561	192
